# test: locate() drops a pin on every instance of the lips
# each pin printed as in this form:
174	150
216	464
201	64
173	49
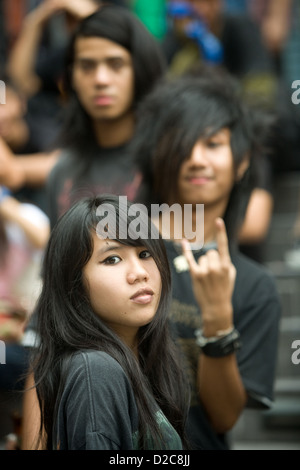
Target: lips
103	100
198	179
142	296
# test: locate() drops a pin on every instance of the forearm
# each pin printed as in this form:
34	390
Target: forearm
221	390
21	65
36	234
279	9
275	26
31	417
219	384
220	387
258	217
36	168
11	174
24	170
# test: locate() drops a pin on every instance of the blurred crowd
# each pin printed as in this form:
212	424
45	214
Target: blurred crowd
257	41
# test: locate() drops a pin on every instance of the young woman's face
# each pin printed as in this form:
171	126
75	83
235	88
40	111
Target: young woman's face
103	77
207	177
124	285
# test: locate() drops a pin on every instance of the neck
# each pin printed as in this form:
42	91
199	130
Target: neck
196	228
114	132
129	336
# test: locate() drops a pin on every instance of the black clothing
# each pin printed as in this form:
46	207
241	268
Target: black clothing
109	170
257	309
97	410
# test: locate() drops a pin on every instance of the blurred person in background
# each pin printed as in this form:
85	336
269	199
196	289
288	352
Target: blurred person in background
34	64
203	31
110	57
24	232
196	142
112	63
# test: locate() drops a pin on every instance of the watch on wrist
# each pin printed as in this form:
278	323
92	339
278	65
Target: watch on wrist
217	346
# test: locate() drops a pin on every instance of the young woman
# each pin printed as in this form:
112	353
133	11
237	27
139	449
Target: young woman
196	143
105	370
112	62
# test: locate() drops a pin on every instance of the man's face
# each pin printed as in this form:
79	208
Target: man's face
103	78
208	175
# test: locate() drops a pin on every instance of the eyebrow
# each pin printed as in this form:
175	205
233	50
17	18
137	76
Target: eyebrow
83	58
108	248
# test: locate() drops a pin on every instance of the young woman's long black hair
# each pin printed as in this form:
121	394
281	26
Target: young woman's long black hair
66	323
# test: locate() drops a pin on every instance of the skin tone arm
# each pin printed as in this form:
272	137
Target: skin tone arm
12	330
24	170
30	417
13	127
213	278
275	26
23	56
10	211
258	217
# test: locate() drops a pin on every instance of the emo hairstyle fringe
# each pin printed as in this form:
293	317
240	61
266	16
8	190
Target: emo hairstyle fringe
66	323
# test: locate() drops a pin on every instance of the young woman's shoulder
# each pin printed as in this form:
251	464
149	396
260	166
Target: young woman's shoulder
94	362
94	378
97	409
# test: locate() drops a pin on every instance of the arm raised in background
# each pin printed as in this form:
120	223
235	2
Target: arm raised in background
24	170
276	24
36	233
21	65
220	385
258	217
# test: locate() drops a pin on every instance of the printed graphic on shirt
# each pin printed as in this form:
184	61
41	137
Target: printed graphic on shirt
170	438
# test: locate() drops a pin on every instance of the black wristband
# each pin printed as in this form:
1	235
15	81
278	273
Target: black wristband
219	347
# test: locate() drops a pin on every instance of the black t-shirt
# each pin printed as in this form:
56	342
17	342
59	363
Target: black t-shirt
257	311
98	411
109	170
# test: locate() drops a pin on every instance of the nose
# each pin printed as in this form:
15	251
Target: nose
102	75
136	271
198	156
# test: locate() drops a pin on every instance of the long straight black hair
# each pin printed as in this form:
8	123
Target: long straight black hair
66	323
119	25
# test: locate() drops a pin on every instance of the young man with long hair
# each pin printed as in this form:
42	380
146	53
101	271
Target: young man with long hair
197	143
112	62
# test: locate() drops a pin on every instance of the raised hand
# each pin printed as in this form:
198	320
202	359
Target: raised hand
213	277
